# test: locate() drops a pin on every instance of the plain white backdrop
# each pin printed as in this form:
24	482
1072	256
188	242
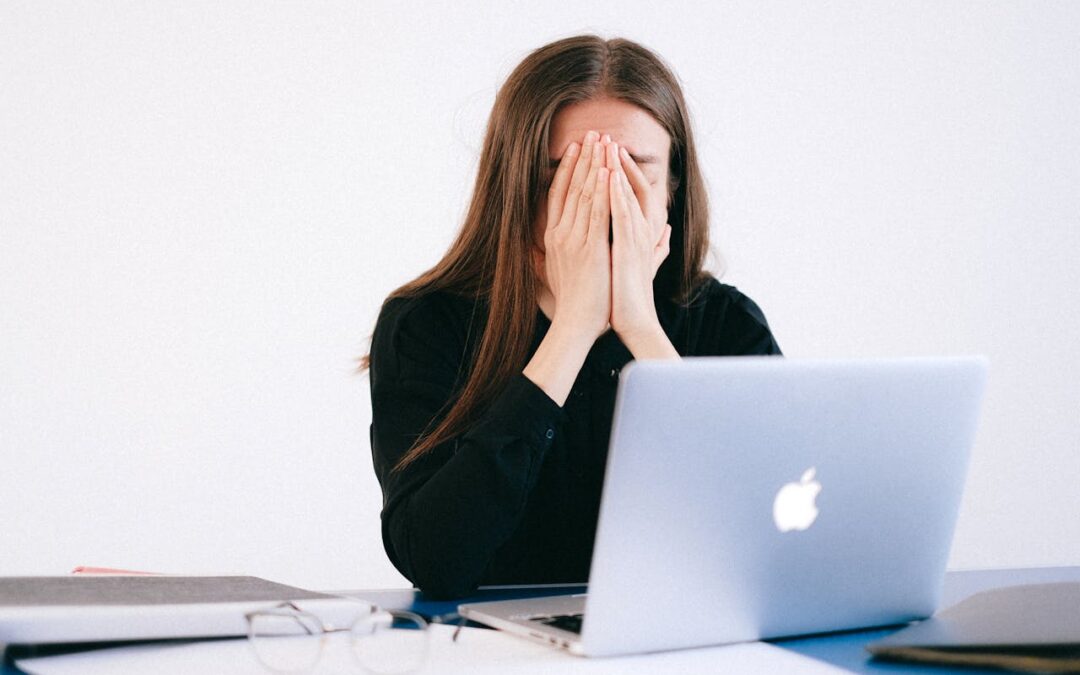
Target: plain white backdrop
203	204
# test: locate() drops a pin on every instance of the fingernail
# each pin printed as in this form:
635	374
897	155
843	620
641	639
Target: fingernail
572	149
601	175
624	153
591	137
607	138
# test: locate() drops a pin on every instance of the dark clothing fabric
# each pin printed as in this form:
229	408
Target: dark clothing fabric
514	499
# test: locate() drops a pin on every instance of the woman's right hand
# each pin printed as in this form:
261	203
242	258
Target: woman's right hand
577	255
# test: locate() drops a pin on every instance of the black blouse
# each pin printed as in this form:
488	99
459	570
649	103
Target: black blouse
515	499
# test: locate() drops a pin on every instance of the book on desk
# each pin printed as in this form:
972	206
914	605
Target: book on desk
80	608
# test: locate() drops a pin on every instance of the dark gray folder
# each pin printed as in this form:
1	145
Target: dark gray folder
1032	628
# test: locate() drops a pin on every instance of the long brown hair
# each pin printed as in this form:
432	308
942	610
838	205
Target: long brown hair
491	257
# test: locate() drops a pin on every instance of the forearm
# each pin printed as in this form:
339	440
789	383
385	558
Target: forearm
443	523
446	533
558	360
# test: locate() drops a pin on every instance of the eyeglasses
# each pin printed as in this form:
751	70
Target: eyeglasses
288	639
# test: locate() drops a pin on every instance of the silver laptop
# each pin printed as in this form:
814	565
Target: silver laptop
748	498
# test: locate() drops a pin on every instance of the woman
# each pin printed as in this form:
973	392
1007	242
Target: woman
493	374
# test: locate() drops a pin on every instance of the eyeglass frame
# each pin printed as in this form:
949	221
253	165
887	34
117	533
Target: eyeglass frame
325	628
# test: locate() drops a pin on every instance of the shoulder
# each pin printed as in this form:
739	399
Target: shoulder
431	328
428	308
712	297
734	322
724	299
438	311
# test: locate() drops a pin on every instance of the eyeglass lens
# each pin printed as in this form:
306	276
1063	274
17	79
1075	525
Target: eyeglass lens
287	643
382	642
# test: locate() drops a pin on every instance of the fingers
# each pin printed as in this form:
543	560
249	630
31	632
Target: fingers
584	209
566	209
663	248
637	177
560	182
639	223
601	208
627	211
621	216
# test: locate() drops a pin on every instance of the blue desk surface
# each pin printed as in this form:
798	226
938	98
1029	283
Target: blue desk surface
845	650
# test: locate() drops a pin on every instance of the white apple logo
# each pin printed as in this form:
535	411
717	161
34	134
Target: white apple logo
794	507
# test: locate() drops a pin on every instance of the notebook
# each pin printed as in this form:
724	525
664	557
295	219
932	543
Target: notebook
78	608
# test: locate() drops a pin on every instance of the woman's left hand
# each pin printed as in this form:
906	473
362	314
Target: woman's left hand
637	249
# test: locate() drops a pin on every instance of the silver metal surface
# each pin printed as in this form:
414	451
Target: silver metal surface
687	552
689	548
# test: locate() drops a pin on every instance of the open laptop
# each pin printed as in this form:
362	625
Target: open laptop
748	498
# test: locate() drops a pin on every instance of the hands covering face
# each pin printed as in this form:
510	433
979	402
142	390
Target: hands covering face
596	283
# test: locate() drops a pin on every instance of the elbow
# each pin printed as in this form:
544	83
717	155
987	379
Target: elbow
441	572
434	585
437	571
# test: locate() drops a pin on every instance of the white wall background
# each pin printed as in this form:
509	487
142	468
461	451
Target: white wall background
202	205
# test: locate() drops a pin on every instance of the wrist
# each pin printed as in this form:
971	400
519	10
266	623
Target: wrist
648	342
641	332
571	335
555	365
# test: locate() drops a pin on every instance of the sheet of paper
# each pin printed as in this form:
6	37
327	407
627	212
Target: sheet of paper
477	650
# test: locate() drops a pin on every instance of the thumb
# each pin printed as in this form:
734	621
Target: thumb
663	247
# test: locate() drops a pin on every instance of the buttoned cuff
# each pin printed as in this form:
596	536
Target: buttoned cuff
531	412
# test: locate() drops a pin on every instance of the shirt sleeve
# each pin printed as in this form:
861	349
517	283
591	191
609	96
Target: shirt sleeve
739	327
445	515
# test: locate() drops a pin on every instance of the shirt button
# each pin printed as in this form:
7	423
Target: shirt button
550	434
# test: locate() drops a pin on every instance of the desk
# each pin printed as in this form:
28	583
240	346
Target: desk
844	650
838	650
